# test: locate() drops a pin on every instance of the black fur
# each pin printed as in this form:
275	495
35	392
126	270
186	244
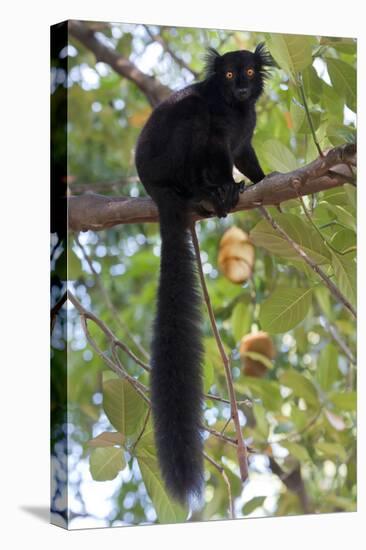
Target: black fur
185	154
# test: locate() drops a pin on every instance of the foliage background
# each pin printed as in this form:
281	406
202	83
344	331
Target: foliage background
300	418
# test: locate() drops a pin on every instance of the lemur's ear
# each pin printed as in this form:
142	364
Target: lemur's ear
211	62
264	59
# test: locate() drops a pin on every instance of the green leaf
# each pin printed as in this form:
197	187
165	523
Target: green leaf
123	406
301	387
338	134
332	102
106	463
106	439
262	426
323	298
351	193
212	354
343	240
298	451
146	445
345	215
327	372
331	450
299	231
208	375
344	401
167	510
312	83
343	77
278	157
299	119
253	504
284	309
241	320
74	270
256	356
292	52
268	391
345	274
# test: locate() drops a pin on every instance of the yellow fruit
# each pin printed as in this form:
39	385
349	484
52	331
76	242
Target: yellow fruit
258	342
236	255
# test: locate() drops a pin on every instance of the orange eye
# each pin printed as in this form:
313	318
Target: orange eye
250	73
229	75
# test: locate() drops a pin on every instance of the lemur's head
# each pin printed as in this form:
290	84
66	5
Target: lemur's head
239	74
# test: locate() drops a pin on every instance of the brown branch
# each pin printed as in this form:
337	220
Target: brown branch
116	343
115	366
160	40
241	448
97	212
313	265
56	308
333	331
150	86
293	481
219	435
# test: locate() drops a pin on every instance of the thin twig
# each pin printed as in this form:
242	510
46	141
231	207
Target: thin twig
308	116
115	366
331	286
241	448
111	307
246	402
226	425
294	436
150	86
332	329
226	480
220	435
142	430
56	308
160	40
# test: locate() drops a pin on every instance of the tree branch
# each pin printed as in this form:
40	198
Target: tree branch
150	86
113	341
313	265
96	212
160	40
241	449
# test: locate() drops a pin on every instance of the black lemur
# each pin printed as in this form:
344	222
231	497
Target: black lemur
185	154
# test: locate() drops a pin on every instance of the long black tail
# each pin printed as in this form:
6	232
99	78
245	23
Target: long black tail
176	377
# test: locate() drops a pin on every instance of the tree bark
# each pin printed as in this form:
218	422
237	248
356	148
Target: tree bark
150	86
96	212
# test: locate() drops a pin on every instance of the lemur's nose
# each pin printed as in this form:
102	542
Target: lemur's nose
242	91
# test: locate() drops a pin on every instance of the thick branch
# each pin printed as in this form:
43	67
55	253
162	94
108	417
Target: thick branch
97	212
152	88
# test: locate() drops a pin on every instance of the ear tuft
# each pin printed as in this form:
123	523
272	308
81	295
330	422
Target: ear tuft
264	59
211	58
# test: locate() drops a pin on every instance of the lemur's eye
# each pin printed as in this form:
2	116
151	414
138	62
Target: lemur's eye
229	75
250	72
